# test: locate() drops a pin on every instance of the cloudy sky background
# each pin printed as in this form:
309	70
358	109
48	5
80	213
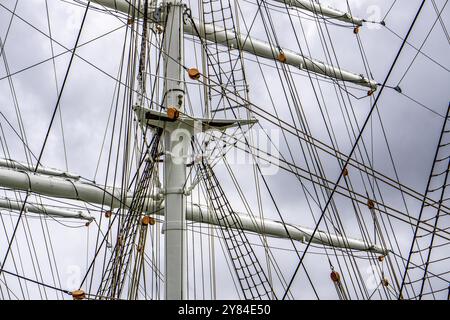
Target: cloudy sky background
412	130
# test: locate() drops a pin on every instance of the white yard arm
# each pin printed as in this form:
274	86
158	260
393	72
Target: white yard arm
278	229
88	192
61	188
44	210
257	47
265	50
323	10
124	6
7	163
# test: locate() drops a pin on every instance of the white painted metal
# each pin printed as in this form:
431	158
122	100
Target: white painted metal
8	163
44	210
273	228
260	48
265	50
64	188
176	144
124	6
323	10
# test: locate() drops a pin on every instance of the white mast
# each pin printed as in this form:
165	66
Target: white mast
176	143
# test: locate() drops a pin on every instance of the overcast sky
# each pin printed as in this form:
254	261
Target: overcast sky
412	127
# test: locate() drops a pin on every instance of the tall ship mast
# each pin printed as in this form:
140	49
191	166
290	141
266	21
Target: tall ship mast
255	150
